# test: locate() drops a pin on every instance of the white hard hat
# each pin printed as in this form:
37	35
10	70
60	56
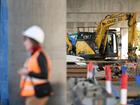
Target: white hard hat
36	33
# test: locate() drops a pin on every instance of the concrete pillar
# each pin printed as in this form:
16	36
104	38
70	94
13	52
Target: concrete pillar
50	15
124	43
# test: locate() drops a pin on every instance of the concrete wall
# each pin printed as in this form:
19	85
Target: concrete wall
50	15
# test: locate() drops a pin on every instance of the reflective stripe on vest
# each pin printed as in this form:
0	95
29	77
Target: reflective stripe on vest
27	83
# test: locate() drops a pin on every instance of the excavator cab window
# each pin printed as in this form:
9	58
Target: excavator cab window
111	48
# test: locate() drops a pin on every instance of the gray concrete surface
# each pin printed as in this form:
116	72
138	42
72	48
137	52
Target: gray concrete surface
133	92
50	15
90	12
85	93
103	5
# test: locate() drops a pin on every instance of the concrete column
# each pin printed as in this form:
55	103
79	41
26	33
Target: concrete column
50	15
124	43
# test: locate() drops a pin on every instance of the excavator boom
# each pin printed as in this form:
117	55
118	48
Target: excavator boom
111	20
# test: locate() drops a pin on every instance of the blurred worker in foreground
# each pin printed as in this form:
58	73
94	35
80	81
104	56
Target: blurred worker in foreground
36	73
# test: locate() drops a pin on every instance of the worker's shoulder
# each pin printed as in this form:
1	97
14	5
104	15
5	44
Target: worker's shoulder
41	56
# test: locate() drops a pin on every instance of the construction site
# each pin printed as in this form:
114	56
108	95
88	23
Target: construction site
94	47
103	52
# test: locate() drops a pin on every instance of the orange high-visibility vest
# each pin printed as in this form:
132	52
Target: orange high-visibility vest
27	83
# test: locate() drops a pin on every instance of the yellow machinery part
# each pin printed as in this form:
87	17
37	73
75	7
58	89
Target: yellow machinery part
132	29
105	42
83	48
106	23
69	45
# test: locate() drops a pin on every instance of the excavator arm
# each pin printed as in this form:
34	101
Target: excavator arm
132	30
110	20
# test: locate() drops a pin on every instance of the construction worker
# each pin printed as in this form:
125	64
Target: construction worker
37	68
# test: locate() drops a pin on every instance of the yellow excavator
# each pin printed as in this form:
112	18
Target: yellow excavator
103	42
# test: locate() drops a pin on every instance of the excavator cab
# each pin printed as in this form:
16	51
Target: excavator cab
112	44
